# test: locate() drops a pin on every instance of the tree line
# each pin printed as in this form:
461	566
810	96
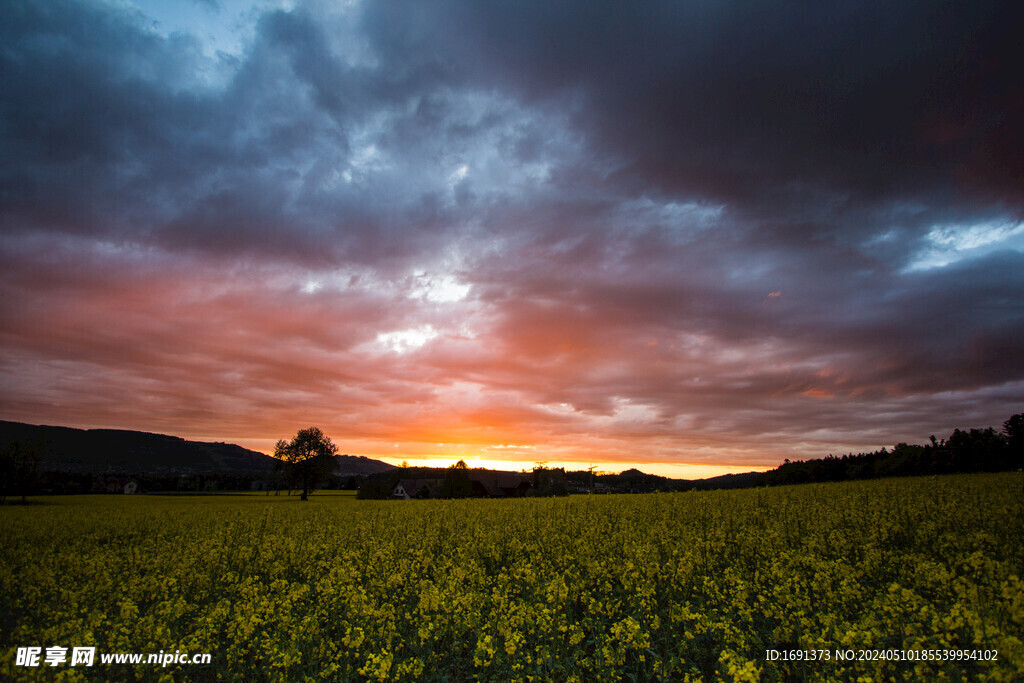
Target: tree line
975	450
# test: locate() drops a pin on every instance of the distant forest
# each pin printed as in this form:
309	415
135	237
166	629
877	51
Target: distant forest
977	450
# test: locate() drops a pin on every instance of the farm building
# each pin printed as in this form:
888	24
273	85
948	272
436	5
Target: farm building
406	489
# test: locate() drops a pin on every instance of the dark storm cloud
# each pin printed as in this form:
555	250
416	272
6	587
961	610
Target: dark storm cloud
109	132
779	110
742	100
696	223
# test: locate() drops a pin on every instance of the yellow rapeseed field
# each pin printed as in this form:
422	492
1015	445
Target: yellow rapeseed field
681	586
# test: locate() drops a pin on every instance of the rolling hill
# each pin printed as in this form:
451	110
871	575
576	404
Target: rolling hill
64	449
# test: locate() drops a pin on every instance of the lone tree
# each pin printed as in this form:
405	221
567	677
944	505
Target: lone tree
19	470
307	456
456	481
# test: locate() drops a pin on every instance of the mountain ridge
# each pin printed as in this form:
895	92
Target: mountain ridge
123	451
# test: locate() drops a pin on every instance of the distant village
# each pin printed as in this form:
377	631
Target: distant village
459	481
482	483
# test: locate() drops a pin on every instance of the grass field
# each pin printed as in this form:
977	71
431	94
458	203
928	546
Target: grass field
685	585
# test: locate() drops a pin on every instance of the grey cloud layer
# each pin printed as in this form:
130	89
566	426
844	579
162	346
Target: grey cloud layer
712	210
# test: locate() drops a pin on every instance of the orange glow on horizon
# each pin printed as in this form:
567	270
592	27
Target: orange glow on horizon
671	470
520	454
520	460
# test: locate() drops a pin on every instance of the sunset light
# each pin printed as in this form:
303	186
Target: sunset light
230	220
511	340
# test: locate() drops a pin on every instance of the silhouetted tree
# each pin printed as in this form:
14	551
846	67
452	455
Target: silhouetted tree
7	470
309	456
456	482
1013	430
548	481
19	470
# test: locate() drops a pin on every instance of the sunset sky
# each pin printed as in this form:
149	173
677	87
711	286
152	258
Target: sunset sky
691	237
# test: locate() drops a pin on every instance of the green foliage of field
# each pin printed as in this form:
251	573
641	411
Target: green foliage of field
684	586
